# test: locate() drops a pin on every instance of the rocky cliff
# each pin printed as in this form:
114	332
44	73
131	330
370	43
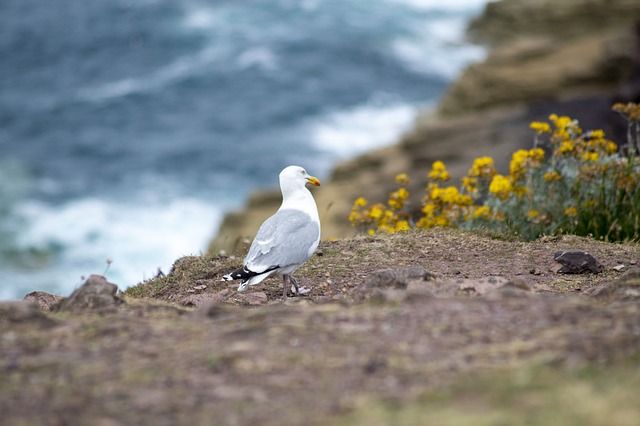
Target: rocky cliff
574	57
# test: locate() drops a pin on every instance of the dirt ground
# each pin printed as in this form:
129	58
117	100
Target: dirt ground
464	329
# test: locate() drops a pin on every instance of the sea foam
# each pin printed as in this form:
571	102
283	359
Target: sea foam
82	234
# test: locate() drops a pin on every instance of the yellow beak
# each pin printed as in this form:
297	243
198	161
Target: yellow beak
313	181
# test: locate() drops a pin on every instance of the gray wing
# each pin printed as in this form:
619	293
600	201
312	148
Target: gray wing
284	239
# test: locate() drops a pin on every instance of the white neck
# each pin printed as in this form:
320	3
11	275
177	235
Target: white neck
293	198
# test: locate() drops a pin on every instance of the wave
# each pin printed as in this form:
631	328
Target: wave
350	132
450	5
437	47
180	69
79	236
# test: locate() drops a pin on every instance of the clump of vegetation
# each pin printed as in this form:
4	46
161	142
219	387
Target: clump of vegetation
580	183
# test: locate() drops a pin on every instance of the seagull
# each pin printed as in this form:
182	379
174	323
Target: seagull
287	239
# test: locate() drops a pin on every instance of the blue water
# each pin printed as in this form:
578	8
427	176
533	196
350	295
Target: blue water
128	127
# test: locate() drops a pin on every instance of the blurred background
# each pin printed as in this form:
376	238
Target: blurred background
128	127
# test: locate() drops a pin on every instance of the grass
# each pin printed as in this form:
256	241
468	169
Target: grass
546	396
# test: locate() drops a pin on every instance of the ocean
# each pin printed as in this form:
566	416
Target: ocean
128	127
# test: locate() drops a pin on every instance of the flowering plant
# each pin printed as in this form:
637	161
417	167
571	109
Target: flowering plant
581	183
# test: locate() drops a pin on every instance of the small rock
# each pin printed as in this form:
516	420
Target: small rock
577	262
95	293
46	301
200	287
618	268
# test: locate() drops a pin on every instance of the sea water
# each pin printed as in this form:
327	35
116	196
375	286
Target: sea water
128	127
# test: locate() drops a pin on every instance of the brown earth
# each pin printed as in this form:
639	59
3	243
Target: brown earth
422	327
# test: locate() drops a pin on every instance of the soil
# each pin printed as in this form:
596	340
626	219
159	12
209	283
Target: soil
460	328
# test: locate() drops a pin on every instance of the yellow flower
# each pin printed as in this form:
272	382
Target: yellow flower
360	202
396	198
441	221
571	211
482	212
402	193
429	209
566	146
396	204
482	166
560	122
536	154
438	166
434	191
439	172
552	176
611	147
521	160
597	134
590	156
402	225
376	212
532	214
402	179
470	184
371	232
450	194
540	127
500	186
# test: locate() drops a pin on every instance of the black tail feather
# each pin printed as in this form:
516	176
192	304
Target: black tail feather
245	273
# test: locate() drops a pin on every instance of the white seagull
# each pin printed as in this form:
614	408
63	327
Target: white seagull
287	239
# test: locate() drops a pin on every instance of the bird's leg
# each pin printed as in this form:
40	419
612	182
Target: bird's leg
295	284
285	291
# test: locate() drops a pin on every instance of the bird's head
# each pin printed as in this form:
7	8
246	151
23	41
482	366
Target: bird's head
296	176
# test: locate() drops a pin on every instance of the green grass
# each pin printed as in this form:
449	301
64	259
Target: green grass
533	396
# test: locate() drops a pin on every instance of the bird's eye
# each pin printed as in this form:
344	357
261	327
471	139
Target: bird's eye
302	171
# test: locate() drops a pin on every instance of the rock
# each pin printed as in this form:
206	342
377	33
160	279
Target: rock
46	301
23	311
625	288
503	21
394	278
95	294
618	268
577	262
